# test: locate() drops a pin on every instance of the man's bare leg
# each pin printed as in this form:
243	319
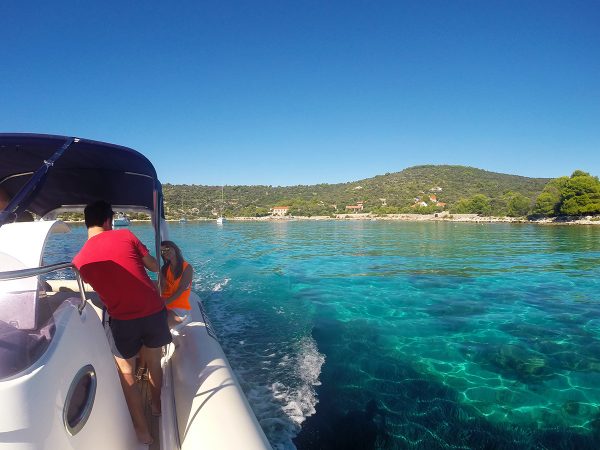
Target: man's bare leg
133	397
152	357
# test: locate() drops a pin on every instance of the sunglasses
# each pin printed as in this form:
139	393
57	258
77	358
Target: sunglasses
165	250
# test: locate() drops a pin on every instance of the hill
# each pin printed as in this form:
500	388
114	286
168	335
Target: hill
389	193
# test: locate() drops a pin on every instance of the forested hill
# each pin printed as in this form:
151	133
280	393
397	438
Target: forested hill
389	193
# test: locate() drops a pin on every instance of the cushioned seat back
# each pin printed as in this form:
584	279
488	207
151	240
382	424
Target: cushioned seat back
18	298
21	247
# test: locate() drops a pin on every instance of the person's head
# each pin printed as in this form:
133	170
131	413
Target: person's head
98	214
171	255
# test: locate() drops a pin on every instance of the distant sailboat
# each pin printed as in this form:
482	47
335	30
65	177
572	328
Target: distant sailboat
182	219
221	219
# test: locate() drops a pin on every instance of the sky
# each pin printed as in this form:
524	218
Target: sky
278	92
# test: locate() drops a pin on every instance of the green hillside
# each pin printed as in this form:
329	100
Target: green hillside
389	193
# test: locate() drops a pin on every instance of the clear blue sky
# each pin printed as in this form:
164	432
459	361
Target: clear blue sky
280	92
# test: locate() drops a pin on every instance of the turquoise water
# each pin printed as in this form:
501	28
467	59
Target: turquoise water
407	335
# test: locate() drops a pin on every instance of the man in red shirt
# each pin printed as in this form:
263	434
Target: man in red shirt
114	263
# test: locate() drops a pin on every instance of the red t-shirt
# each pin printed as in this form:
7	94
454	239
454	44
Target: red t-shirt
112	263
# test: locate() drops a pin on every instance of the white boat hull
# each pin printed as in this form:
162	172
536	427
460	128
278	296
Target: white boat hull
33	402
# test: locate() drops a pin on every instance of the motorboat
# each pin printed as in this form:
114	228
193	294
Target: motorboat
59	386
121	220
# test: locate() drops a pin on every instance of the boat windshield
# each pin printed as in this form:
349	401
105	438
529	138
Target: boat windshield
26	321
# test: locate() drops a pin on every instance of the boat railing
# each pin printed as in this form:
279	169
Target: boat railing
43	270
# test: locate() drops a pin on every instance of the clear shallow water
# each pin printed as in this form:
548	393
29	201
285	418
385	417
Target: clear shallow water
407	335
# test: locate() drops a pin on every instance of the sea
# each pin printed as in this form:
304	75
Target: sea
404	335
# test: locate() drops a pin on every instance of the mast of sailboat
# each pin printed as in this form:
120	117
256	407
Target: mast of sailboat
220	219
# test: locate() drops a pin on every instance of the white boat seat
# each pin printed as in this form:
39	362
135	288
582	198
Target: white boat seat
18	298
22	301
20	348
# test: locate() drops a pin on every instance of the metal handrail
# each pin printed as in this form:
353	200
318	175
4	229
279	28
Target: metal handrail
33	272
36	271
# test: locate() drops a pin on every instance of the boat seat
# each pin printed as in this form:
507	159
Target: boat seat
22	302
20	348
19	309
18	298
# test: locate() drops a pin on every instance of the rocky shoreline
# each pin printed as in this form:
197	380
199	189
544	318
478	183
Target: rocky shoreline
439	217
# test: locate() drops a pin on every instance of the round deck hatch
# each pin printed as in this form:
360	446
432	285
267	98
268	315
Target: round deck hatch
80	399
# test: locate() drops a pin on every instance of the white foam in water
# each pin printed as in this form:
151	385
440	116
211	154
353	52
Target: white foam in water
297	402
278	377
219	286
282	406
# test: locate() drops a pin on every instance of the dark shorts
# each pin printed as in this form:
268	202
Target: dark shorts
151	331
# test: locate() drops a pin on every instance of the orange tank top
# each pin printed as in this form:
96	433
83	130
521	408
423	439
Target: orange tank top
171	285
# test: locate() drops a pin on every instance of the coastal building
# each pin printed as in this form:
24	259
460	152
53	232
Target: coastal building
279	210
433	201
355	208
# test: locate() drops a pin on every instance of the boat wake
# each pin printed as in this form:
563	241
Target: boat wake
278	371
219	286
282	406
300	402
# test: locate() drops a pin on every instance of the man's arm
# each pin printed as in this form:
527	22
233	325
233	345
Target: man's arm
150	263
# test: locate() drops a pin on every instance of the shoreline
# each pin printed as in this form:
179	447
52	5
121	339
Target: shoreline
439	217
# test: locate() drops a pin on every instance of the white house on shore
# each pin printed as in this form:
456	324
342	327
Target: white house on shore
355	208
279	210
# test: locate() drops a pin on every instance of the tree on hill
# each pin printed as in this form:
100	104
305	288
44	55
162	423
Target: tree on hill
478	204
572	196
580	195
548	202
517	205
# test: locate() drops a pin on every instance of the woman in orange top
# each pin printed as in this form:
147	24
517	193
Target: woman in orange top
176	281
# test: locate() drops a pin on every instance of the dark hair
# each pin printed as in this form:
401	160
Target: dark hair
96	213
178	269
